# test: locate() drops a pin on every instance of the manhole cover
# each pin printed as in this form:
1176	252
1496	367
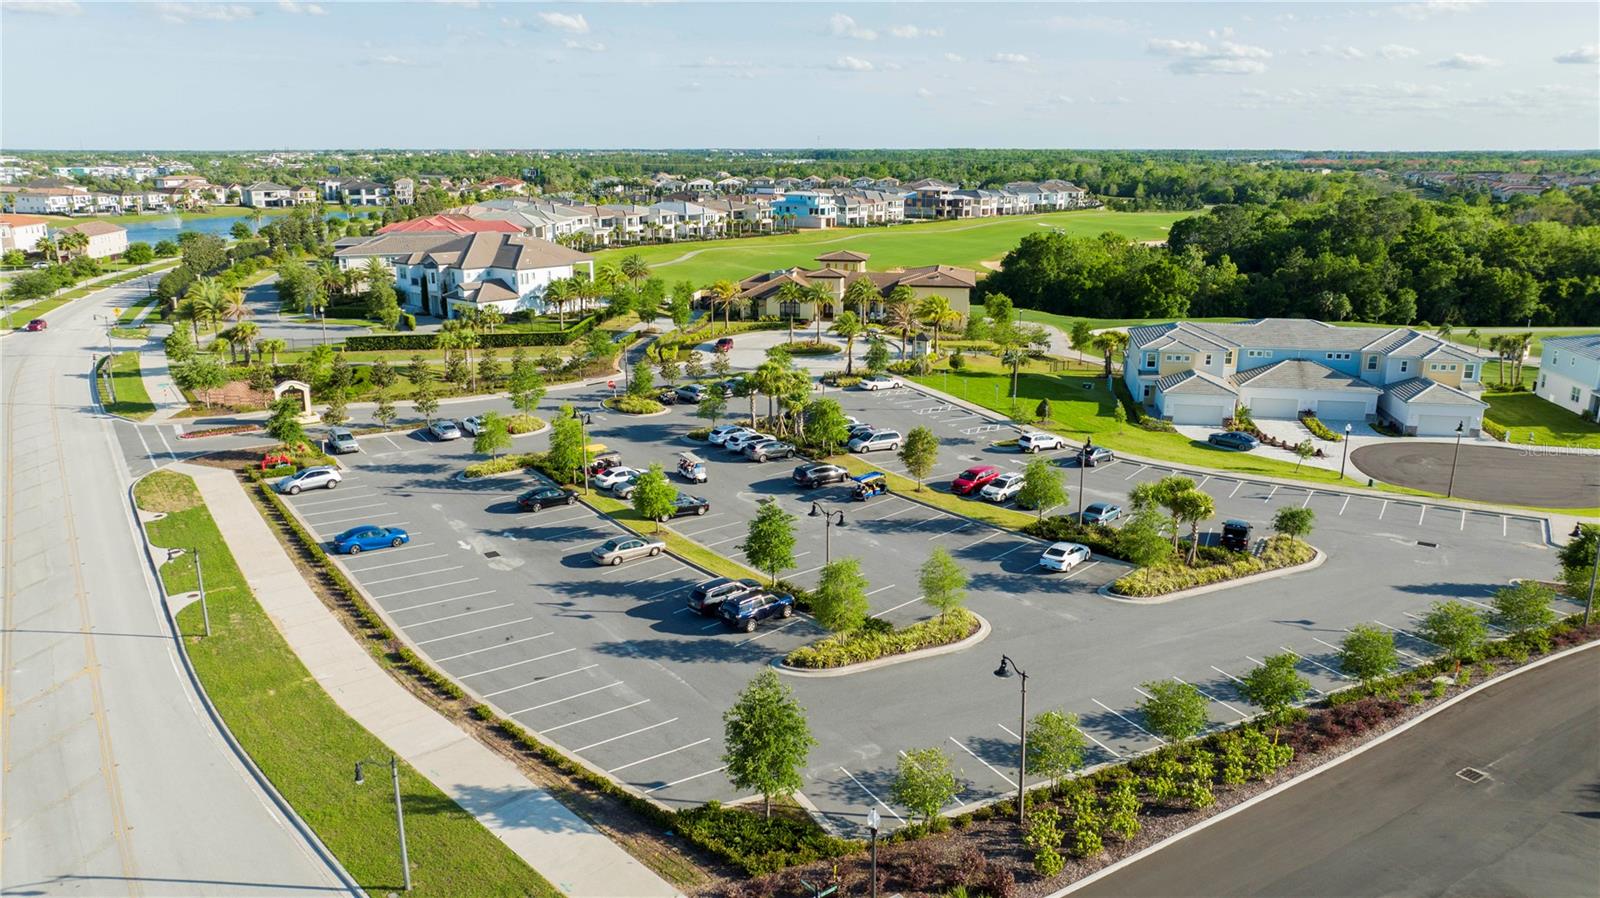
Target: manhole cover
491	554
1472	774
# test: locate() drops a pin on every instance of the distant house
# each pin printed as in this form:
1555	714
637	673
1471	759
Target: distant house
449	224
762	294
501	185
365	193
105	239
405	191
699	185
1569	374
807	209
306	196
266	195
931	198
22	232
53	201
446	274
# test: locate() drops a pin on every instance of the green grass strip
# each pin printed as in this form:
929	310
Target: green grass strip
132	401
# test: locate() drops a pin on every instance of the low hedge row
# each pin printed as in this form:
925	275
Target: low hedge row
1319	429
758	844
634	405
870	643
505	464
812	347
1100	539
1158	580
522	423
368	342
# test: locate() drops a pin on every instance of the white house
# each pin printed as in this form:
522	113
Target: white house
1569	374
52	201
444	274
22	232
266	195
105	239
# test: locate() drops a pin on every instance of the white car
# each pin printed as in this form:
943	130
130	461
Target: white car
444	429
719	435
1039	441
1063	556
471	426
309	479
1002	488
739	441
879	382
882	439
612	476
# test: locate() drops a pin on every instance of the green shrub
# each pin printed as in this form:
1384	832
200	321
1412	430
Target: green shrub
414	341
699	433
1100	539
1318	428
812	347
756	844
522	423
634	405
840	379
1172	576
871	643
504	464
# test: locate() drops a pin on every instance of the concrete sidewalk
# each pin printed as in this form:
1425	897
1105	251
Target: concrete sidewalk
574	856
156	372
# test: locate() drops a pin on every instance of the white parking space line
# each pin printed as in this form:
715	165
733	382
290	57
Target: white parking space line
1415	617
1270	494
363	570
1422	514
1463	520
962	526
498	645
880	589
670	751
1383	509
568	698
568	520
992	535
520	620
441	570
1012	549
406	592
898	607
344	496
1009	781
719	542
1202	484
653	576
1503	523
573	723
1343	505
479	673
1264	664
1136	473
440	620
1228	675
909	506
1078	570
365	517
685	780
1325	667
624	735
470	595
765	633
541	680
811	570
1242	715
619	568
312	514
664	592
872	796
709	529
1235	488
1129	722
1309	494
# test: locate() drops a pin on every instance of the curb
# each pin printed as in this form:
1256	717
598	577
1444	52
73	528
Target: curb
1335	762
1313	564
983	633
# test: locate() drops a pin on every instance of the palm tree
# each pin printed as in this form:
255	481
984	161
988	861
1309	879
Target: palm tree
235	307
1015	357
205	301
1110	342
271	345
820	296
935	311
49	249
243	335
333	279
848	326
860	294
559	292
1474	336
375	272
1193	507
634	268
900	313
71	242
723	293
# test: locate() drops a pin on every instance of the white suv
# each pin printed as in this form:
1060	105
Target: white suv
1039	441
882	439
309	479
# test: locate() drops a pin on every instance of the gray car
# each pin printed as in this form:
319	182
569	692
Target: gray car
341	441
626	548
767	449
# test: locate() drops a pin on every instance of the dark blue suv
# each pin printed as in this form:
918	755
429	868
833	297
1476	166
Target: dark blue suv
744	612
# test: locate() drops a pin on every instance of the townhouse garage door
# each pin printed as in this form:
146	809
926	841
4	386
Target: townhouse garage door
1440	425
1341	410
1275	407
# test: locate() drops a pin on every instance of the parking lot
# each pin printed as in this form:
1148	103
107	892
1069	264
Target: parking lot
608	664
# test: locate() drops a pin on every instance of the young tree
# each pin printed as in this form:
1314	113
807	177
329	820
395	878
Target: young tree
1042	410
769	543
385	412
643	378
766	740
565	456
456	370
1142	540
1367	653
488	368
419	371
721	366
1162	494
1042	488
840	600
681	306
825	425
526	387
943	582
925	782
380	375
1293	521
1524	605
1275	685
713	405
337	412
654	497
1055	745
1302	451
1455	627
1577	562
668	370
1193	507
283	424
1175	711
694	365
877	357
919	453
494	437
426	403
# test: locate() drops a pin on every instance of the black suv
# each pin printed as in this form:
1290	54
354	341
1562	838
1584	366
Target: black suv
744	612
687	505
705	597
813	476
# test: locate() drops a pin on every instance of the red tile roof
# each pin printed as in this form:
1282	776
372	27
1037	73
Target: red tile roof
449	224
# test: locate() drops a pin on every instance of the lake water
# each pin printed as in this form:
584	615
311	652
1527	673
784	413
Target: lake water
156	228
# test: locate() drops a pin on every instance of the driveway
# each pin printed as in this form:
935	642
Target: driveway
1501	474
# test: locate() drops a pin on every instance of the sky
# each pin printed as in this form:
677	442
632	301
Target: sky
1428	75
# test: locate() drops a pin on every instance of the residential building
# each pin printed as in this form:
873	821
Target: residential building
501	185
405	191
446	274
306	196
761	295
1198	373
449	224
932	198
365	193
1569	374
266	195
21	232
53	201
807	209
105	239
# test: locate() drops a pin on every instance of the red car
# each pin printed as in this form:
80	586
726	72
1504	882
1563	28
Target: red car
37	324
725	344
973	479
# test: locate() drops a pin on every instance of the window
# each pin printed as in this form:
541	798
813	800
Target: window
1404	366
1541	381
1149	362
1227	359
1177	357
1258	353
1147	391
1466	373
1208	360
1339	356
1372	363
1573	396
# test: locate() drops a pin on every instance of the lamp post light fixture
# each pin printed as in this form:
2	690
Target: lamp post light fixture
584	420
1348	427
1450	490
1083	464
399	813
872	823
828	523
200	581
1005	671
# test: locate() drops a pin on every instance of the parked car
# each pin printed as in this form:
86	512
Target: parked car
1236	535
857	430
719	435
691	393
369	536
706	596
444	429
471	426
725	344
624	488
542	497
341	441
1089	456
37	324
973	479
731	387
879	439
1237	440
39	266
1002	488
626	548
1063	556
744	612
876	382
813	476
321	477
1039	441
766	450
1102	513
684	505
612	476
739	441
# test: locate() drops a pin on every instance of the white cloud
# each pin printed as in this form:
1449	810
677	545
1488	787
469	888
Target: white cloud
1430	8
1348	52
591	46
390	59
293	7
907	32
1009	58
183	13
43	7
852	64
954	57
1397	51
560	21
841	25
924	93
1466	62
1585	55
1196	58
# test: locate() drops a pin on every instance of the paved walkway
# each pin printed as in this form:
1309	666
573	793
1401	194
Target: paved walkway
578	859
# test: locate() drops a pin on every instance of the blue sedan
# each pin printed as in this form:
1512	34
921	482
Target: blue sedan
369	536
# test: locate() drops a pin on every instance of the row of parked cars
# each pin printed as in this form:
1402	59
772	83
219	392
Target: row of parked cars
740	604
751	443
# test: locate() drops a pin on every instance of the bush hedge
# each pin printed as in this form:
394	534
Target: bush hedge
504	464
1319	429
634	405
413	341
1101	539
870	643
756	844
812	347
1158	580
521	423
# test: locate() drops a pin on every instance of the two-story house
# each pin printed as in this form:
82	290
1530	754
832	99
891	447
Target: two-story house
1195	373
365	193
763	295
807	209
446	274
1569	374
22	232
266	195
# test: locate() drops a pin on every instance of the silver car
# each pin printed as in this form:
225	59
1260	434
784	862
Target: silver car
767	449
881	439
626	548
309	479
341	441
444	429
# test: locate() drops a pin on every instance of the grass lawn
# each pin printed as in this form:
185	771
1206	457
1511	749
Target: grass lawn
1490	376
987	512
967	243
1080	404
1065	322
304	742
680	545
131	333
132	400
1529	419
133	311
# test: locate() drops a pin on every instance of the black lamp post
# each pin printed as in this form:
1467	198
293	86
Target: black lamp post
1450	491
1083	464
1346	456
584	420
1007	666
399	813
828	523
872	824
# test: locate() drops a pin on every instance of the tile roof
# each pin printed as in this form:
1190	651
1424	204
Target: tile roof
939	276
1196	383
449	224
22	220
265	185
95	228
1300	374
1421	389
1586	346
843	255
479	250
1300	334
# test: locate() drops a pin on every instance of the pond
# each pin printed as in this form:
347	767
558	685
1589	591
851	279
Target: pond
155	228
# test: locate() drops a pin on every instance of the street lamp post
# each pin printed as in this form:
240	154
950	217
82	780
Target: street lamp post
399	813
827	528
584	420
200	582
1588	608
1007	666
872	824
1346	457
1083	464
1450	490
